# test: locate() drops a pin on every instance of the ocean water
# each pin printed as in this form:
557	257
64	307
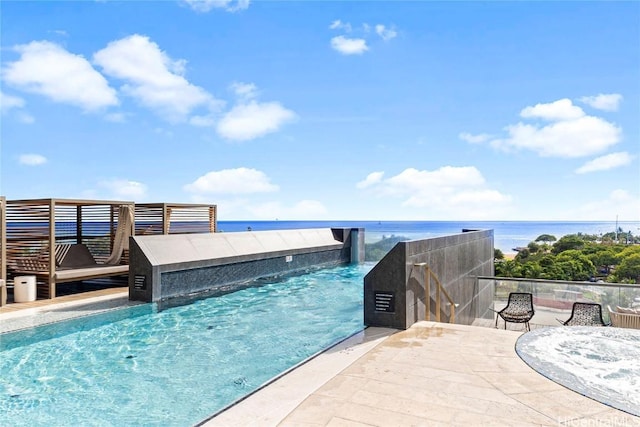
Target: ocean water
507	234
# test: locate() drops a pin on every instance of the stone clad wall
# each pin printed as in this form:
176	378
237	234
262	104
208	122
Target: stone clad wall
394	290
167	267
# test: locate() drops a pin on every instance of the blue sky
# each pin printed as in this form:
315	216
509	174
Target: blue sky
327	110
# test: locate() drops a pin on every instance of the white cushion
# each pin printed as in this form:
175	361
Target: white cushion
626	310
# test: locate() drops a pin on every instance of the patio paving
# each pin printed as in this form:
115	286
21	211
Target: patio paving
431	374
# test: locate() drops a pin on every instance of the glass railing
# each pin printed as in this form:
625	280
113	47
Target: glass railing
553	300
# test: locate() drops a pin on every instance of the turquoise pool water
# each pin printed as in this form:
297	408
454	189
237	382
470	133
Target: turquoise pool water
137	366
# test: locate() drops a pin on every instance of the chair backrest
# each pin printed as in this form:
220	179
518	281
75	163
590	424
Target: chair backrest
77	256
520	301
585	314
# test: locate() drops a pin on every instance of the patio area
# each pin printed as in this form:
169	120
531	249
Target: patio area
430	374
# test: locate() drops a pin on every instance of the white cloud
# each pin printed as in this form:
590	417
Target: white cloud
563	109
357	45
25	118
451	192
32	159
164	132
385	33
202	121
617	204
474	139
244	91
8	102
347	46
208	5
124	189
153	78
252	120
116	117
232	181
605	102
339	25
571	132
610	161
307	208
371	179
47	69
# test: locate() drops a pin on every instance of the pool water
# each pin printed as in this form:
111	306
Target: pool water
138	366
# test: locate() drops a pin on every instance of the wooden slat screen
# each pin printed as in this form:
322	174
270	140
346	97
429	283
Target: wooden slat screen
3	240
167	218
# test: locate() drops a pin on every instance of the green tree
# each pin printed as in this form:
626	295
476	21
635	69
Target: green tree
522	255
568	242
604	259
628	251
507	268
629	269
576	265
546	238
533	247
575	257
497	254
531	270
554	272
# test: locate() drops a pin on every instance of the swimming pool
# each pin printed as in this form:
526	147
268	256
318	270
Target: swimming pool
138	366
602	363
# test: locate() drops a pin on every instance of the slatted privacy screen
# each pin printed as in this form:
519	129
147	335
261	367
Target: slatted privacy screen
3	241
27	232
168	218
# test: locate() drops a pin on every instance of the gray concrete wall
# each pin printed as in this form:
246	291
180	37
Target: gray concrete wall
164	267
394	290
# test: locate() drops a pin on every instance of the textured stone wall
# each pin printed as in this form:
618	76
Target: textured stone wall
184	267
456	260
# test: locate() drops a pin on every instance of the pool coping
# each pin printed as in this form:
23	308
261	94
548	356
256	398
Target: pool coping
60	311
273	402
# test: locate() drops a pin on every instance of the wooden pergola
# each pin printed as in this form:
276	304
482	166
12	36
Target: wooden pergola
3	253
35	227
33	231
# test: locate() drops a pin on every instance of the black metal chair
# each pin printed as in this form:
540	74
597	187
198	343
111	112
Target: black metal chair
519	309
585	314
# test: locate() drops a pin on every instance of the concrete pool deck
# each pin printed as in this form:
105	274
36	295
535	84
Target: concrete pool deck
430	374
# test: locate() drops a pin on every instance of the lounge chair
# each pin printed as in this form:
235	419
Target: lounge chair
585	314
519	309
624	317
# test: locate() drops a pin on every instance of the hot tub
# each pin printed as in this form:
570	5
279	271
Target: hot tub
600	363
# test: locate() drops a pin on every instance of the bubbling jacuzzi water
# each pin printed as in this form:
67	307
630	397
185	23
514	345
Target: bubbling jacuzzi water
602	363
138	366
